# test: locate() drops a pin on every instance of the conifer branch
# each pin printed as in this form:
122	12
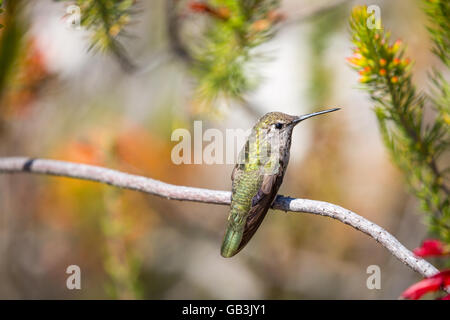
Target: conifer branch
416	147
221	53
106	19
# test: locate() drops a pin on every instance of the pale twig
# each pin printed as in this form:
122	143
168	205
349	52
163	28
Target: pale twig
169	191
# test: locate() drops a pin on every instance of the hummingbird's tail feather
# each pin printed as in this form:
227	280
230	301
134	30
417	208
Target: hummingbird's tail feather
231	241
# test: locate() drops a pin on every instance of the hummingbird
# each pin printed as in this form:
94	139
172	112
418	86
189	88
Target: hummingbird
258	175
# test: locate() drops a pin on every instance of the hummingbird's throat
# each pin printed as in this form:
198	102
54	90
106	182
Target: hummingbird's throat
263	150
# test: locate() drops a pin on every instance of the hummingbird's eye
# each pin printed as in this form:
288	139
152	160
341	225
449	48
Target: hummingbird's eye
278	125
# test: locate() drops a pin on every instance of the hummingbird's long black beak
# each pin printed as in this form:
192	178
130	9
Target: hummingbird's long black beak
309	115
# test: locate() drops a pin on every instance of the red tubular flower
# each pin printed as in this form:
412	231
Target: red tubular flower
430	248
437	282
198	6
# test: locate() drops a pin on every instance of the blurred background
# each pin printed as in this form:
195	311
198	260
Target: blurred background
63	101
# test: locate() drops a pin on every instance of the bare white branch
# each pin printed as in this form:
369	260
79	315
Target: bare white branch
169	191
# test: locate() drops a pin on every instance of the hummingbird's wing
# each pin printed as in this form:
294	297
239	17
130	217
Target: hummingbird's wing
261	203
258	185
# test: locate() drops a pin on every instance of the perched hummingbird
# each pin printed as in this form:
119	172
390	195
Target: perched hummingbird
258	175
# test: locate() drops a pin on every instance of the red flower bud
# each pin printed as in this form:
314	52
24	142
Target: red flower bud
430	248
396	45
221	13
198	6
364	79
431	284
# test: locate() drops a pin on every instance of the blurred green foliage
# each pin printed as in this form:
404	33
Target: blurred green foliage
106	20
1	10
438	12
323	29
416	146
224	55
11	38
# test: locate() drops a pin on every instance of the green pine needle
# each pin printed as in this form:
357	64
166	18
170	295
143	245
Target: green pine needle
224	57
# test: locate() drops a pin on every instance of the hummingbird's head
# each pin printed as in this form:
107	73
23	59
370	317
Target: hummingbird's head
279	122
277	127
271	137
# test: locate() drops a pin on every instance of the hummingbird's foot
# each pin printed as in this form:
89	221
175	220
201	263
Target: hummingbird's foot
275	200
